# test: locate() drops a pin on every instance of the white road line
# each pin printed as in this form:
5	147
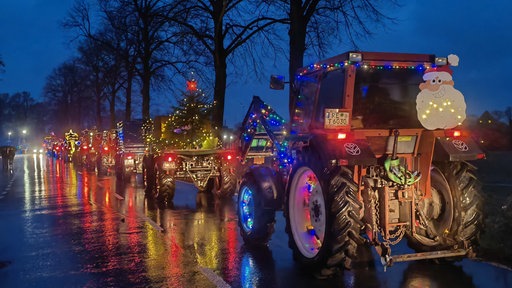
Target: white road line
118	196
154	224
214	278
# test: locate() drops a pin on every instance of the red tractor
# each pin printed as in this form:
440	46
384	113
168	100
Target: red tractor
107	150
89	148
374	153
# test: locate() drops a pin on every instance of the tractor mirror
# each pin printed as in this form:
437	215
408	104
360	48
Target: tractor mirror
277	82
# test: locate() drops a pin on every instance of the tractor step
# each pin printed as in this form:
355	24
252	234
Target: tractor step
428	255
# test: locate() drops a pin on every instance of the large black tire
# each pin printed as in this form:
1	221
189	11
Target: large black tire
255	218
453	214
166	188
226	183
323	218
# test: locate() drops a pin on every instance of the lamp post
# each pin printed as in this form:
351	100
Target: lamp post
9	138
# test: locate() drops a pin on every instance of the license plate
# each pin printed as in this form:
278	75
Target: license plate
168	165
129	162
335	118
259	160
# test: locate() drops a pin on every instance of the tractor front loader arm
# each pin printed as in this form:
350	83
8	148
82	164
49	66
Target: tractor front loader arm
261	118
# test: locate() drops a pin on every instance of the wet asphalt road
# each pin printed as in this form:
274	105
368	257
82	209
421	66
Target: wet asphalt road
64	227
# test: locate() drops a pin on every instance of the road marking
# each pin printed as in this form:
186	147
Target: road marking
118	196
214	278
154	224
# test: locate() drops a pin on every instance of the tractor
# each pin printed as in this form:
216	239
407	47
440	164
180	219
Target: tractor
374	153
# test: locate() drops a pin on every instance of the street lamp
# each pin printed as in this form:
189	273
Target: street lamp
9	139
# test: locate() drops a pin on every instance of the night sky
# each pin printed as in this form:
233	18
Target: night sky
32	43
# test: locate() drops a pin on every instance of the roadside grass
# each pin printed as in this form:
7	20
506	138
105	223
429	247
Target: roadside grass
496	177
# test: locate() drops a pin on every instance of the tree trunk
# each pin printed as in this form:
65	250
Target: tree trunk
220	65
219	92
128	105
146	82
98	104
113	111
297	36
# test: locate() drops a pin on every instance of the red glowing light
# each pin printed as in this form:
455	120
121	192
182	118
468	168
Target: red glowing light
342	135
192	85
453	133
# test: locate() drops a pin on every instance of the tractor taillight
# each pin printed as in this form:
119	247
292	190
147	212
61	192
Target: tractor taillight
453	133
342	135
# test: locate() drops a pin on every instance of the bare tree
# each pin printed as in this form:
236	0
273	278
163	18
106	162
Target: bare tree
68	95
220	28
144	38
318	24
108	35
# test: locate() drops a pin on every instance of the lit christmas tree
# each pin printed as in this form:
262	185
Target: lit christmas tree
189	125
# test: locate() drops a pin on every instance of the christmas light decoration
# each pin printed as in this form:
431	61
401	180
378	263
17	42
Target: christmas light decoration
189	124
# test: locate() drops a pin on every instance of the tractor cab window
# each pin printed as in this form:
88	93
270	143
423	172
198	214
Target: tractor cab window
331	94
304	102
386	98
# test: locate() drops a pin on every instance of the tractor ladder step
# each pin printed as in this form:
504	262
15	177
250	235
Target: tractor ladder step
429	255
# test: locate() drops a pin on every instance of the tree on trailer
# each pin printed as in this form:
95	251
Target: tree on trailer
190	151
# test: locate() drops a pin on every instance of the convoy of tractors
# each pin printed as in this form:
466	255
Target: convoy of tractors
373	154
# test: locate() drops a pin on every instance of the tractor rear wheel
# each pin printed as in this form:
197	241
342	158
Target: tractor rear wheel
452	217
225	184
323	218
166	189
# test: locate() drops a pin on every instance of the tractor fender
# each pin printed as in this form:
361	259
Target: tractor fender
456	149
271	186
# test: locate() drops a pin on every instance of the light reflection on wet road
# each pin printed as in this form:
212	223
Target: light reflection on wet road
62	226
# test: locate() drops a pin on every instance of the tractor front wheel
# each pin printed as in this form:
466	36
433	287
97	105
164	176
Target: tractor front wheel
255	218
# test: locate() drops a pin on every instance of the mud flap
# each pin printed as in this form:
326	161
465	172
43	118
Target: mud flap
457	149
